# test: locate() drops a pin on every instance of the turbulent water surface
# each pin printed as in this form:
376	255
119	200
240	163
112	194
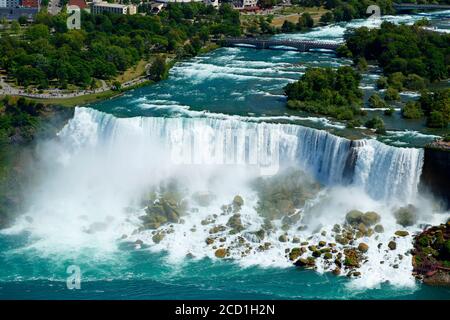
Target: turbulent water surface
214	127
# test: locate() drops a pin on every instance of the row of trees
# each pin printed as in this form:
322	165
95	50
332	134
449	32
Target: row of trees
402	50
108	44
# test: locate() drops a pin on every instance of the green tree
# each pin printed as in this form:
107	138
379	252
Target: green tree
412	110
158	69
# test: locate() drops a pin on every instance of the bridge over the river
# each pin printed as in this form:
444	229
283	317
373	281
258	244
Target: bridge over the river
298	45
420	7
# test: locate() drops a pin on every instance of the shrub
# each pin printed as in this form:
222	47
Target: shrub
412	110
391	94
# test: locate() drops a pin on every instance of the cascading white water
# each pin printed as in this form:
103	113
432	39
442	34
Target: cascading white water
384	172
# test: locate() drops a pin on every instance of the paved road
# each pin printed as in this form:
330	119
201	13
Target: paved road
7	89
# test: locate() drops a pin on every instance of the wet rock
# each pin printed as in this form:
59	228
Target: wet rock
370	218
431	255
235	222
207	221
363	247
124	236
379	228
362	228
217	229
260	234
306	263
356	274
296	240
352	258
139	242
295	253
322	243
283	238
336	228
238	202
354	217
341	240
291	219
359	234
406	216
158	237
209	241
401	233
337	271
328	256
221	253
392	245
316	253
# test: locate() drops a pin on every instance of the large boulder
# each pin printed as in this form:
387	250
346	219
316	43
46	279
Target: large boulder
370	218
238	202
235	222
354	217
406	216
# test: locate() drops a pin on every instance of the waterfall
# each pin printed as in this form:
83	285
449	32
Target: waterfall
385	172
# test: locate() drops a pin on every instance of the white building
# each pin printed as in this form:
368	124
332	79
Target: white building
178	1
101	7
249	3
9	3
214	3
